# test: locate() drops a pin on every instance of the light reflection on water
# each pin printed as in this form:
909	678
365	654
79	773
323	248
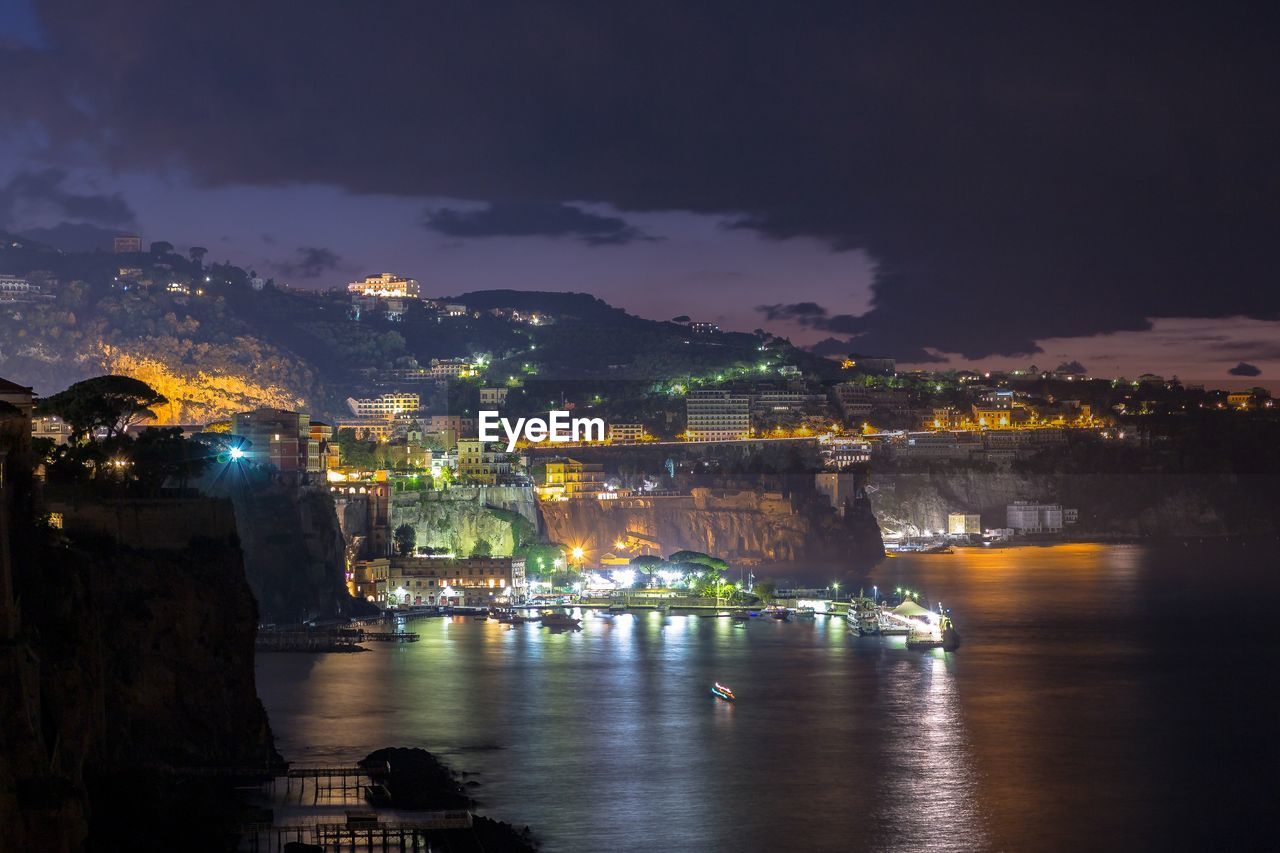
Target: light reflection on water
1064	720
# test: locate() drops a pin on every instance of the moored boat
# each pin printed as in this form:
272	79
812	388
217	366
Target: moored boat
558	619
722	692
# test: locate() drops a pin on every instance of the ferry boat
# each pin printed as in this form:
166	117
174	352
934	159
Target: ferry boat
864	618
721	692
805	613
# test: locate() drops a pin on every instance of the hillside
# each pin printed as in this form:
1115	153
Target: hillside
215	338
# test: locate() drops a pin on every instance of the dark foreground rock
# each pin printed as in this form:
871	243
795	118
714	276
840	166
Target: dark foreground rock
419	781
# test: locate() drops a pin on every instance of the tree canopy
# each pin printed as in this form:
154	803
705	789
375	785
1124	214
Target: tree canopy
112	403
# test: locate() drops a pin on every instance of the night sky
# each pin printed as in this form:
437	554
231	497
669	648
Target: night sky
994	184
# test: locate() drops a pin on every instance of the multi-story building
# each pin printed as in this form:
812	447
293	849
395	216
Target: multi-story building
330	453
1026	517
123	244
385	286
857	400
490	397
626	433
469	581
369	429
964	524
450	368
385	406
704	328
992	416
17	287
718	415
479	463
51	427
568	479
279	438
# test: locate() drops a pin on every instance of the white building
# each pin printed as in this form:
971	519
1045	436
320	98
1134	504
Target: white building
12	285
385	406
1026	517
490	397
626	433
964	524
715	415
387	285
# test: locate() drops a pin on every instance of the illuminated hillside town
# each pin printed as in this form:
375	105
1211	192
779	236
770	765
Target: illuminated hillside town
512	428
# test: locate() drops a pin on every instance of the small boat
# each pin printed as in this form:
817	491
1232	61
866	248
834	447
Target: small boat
556	619
615	609
661	608
721	692
805	613
740	615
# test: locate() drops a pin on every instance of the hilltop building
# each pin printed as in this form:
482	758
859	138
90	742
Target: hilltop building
124	244
385	286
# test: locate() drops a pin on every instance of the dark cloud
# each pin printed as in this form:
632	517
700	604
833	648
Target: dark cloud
309	262
1245	369
30	196
533	219
1017	171
73	236
1072	367
802	312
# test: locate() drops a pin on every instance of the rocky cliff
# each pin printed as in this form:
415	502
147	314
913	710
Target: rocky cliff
295	554
124	660
1109	504
457	518
743	525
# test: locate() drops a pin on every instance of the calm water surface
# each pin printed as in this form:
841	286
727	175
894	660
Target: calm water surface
1105	697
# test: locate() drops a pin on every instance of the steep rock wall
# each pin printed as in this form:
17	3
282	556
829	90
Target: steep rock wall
125	659
455	519
741	525
1109	504
295	554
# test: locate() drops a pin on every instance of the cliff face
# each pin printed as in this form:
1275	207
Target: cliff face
124	659
457	518
294	552
746	525
1109	504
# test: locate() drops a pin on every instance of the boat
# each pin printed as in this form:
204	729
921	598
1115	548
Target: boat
556	619
513	618
661	608
864	618
740	615
615	609
721	692
805	613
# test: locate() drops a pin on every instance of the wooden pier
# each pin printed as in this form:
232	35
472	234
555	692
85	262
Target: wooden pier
410	831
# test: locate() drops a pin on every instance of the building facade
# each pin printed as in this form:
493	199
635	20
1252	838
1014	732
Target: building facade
569	479
386	406
964	524
1025	517
467	581
279	438
626	433
717	415
385	286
